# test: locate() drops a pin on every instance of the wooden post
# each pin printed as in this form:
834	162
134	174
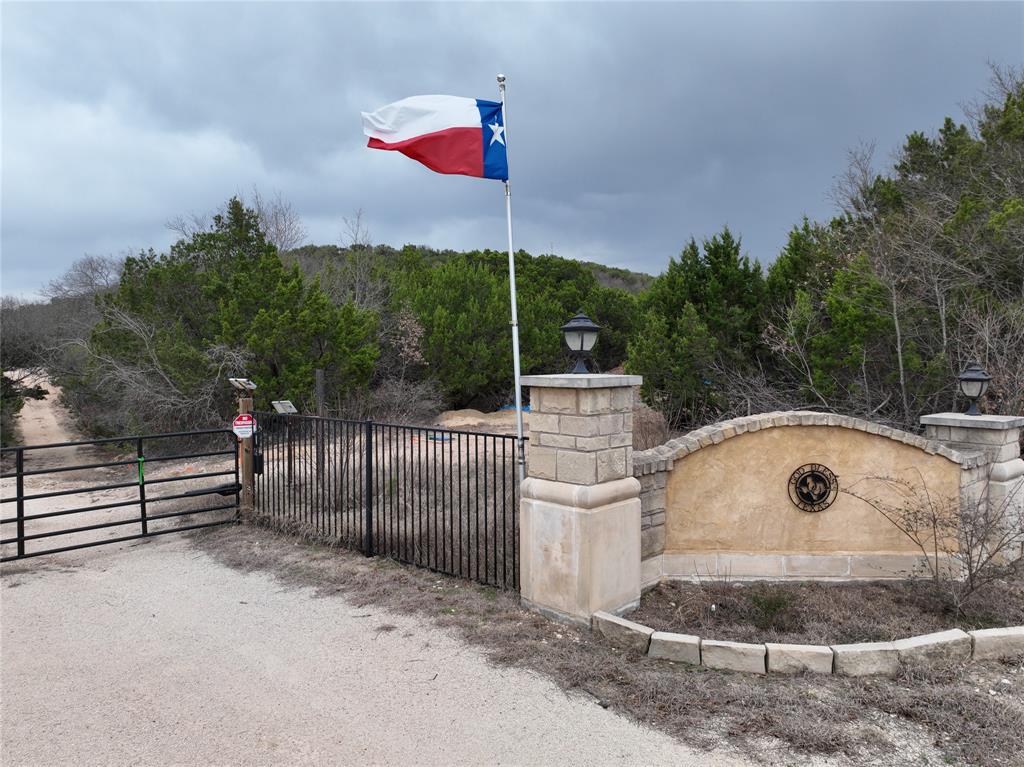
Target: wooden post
246	464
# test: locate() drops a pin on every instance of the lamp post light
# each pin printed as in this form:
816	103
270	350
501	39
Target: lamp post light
580	336
973	385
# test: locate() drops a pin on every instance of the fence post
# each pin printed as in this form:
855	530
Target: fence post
19	460
368	491
320	396
142	486
248	476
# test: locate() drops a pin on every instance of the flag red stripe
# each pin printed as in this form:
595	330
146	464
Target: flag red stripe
454	150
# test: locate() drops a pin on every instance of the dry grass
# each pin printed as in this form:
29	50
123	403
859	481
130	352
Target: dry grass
823	613
909	720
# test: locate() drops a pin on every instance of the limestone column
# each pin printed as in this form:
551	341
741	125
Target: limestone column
998	436
580	507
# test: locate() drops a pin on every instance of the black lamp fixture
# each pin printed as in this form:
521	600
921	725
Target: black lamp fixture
973	385
580	336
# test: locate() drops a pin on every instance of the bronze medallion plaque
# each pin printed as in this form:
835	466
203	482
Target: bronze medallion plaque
813	487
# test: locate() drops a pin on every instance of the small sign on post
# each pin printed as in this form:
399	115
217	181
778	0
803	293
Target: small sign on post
243	426
284	406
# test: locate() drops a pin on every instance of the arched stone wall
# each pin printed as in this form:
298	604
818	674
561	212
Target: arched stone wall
716	502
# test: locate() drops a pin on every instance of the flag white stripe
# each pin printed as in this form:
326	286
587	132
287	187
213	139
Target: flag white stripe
419	115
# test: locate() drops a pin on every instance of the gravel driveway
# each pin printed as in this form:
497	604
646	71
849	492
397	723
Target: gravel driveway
156	654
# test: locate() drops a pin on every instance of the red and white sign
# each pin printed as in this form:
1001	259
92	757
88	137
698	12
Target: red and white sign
243	426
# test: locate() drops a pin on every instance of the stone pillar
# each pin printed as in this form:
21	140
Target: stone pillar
998	437
580	509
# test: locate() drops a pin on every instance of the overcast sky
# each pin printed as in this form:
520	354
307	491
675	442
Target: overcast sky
631	127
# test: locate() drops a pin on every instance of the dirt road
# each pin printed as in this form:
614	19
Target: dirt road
43	422
156	654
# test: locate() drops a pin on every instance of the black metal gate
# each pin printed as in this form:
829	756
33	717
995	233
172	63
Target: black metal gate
437	498
146	508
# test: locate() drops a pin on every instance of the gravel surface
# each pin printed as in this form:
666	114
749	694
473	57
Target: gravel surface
154	653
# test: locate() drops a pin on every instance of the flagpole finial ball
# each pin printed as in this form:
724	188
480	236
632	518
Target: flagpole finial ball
501	79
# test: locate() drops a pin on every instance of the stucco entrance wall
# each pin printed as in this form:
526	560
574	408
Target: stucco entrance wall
721	495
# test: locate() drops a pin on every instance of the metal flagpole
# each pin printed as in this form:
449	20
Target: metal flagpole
512	288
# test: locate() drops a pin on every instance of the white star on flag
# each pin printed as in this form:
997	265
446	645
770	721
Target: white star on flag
497	130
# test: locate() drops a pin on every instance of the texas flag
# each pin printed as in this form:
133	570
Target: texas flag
448	134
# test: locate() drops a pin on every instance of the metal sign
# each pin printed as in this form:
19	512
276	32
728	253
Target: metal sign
813	487
243	426
284	406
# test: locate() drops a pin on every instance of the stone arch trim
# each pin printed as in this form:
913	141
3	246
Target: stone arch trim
662	458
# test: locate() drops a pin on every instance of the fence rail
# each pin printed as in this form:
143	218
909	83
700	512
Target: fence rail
438	498
146	451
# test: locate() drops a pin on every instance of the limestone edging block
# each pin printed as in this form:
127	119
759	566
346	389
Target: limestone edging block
733	656
683	648
797	658
866	659
941	647
622	632
996	644
858	659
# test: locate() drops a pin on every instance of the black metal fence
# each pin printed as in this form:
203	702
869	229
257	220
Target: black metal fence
60	465
442	499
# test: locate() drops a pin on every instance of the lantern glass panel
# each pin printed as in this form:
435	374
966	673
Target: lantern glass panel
574	340
589	339
972	389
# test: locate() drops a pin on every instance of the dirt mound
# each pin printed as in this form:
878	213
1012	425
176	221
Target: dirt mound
500	421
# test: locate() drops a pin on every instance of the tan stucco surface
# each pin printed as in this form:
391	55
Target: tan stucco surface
733	496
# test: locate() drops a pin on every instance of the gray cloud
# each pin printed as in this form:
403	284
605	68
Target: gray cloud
632	126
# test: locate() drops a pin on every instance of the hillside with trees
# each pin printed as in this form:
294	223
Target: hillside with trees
872	313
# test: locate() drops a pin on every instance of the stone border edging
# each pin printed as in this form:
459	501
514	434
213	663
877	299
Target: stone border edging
662	457
862	659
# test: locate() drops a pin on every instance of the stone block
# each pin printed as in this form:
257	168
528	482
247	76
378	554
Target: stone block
866	659
982	437
609	424
611	464
553	401
622	439
576	468
591	444
579	425
553	440
658	518
798	658
627	422
652	500
886	565
689	565
547	422
817	566
943	647
594	401
995	644
652	541
541	462
751	565
733	656
622	398
681	648
621	632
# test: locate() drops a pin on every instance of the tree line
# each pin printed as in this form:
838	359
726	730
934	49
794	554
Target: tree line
872	313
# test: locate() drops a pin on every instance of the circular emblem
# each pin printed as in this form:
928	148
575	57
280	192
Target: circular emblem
813	487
